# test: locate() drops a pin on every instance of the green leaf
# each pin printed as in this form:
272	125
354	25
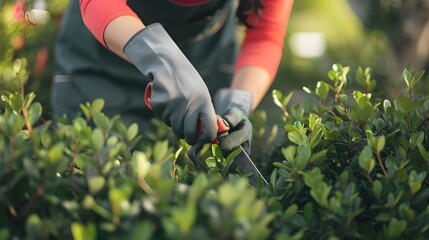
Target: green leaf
290	211
308	212
33	226
415	180
289	153
273	178
56	152
142	231
381	141
315	157
337	67
416	78
82	232
278	98
377	187
198	188
376	143
322	90
34	113
297	137
132	131
386	105
396	228
211	162
407	77
423	152
95	184
160	151
403	104
141	164
101	120
217	154
97	139
4	233
366	160
117	196
97	105
302	156
417	138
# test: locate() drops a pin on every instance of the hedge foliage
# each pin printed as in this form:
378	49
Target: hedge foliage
345	164
350	166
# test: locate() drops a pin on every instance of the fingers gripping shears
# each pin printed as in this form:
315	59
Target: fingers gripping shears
242	160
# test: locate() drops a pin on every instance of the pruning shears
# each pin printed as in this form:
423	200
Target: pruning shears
242	160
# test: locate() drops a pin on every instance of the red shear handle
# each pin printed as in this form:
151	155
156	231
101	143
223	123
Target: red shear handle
148	94
222	125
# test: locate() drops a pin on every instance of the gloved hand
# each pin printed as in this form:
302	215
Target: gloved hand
179	94
234	106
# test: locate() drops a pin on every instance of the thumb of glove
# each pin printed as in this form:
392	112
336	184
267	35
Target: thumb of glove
240	133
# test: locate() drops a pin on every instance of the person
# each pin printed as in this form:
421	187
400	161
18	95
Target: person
188	49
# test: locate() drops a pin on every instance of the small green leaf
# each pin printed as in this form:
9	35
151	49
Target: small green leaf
366	160
82	232
337	67
315	157
377	187
97	105
302	156
160	150
396	228
322	90
416	78
417	138
33	226
142	231
407	77
308	212
289	153
34	113
4	233
184	217
296	137
278	98
403	104
423	152
290	211
381	141
100	120
132	131
141	164
95	184
97	139
217	154
211	162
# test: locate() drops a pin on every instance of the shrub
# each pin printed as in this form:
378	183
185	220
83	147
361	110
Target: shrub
350	167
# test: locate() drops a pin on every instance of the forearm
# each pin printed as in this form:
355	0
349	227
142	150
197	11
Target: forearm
254	79
119	31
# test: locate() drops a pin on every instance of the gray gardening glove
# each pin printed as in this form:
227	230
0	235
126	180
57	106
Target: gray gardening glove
179	94
234	106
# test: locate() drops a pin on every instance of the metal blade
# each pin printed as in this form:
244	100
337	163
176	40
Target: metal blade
246	165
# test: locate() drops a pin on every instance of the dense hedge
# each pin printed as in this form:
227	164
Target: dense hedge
344	164
350	166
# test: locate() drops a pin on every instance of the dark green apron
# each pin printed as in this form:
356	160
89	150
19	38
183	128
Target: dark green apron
85	70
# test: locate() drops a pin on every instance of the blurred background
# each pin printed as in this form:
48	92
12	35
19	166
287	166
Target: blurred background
385	35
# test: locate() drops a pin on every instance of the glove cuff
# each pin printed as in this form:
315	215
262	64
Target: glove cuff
227	98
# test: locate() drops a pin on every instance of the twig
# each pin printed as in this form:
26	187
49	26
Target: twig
25	111
381	164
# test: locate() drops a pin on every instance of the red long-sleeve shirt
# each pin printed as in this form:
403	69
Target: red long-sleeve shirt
262	45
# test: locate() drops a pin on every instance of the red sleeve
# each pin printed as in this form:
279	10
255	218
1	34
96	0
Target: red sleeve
263	44
96	14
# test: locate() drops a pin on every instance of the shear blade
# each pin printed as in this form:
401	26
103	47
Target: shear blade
246	165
